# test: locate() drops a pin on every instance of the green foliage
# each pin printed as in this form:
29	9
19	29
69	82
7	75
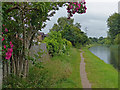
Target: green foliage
71	32
117	39
93	40
100	40
113	23
56	45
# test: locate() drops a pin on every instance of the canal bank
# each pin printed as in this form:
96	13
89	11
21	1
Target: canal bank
109	54
100	74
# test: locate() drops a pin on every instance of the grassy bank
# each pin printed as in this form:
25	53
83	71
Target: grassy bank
100	74
72	61
58	72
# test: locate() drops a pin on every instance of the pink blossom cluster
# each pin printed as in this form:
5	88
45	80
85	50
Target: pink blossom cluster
76	7
10	49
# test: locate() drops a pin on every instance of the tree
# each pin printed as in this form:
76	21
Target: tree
70	31
113	23
93	40
23	21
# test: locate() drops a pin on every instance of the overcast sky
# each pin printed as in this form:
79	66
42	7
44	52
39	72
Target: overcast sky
94	19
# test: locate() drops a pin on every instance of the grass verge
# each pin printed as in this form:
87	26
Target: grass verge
72	60
59	72
100	74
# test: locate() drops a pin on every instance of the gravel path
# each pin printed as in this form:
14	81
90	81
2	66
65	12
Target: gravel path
83	74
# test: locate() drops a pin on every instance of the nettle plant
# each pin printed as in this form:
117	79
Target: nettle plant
7	46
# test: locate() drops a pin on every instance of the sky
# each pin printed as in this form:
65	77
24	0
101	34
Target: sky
95	19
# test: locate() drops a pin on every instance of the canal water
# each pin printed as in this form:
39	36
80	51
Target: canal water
110	55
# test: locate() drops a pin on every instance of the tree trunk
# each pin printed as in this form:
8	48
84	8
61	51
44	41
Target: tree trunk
3	68
7	68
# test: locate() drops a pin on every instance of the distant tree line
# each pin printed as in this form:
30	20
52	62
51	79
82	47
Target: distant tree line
113	37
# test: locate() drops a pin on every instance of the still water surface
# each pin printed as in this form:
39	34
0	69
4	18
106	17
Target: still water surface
109	55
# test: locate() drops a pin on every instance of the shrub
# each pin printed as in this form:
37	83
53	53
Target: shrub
56	45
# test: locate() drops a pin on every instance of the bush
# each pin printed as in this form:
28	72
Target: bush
56	45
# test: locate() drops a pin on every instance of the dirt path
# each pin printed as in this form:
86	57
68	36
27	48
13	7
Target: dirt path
83	74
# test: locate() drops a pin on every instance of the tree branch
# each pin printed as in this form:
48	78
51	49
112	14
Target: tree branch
12	8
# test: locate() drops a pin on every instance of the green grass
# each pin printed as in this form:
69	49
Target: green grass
100	74
72	60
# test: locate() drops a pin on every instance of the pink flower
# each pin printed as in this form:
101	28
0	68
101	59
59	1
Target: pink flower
79	5
71	7
10	42
5	46
2	32
11	45
3	25
6	30
8	55
77	9
75	3
3	39
10	50
7	58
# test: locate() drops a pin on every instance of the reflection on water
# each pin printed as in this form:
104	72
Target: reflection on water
109	55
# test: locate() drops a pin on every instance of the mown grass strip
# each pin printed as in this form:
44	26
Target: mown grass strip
100	74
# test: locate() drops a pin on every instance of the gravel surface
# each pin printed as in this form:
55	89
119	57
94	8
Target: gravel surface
83	74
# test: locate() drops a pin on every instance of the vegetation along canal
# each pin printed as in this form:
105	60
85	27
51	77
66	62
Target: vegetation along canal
107	54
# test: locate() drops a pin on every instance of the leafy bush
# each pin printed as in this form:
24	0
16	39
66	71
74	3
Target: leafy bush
56	45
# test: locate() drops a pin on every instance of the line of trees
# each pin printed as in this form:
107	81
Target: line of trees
113	37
